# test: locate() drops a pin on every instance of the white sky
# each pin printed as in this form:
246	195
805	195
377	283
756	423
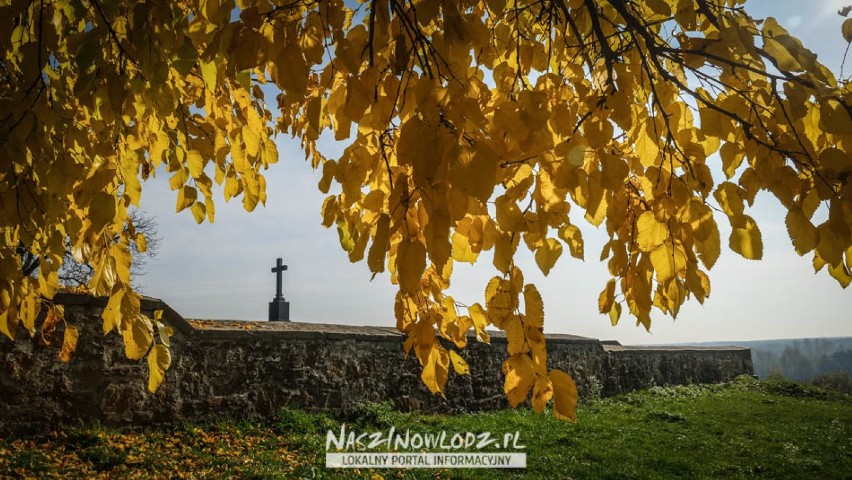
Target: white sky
223	270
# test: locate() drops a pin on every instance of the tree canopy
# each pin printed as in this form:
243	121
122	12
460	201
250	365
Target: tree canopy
469	126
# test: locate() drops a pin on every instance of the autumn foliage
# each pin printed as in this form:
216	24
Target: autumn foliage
469	126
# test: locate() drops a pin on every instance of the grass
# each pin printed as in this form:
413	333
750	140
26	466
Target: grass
744	429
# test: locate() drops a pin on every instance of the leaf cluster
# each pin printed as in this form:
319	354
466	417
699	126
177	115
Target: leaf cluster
469	127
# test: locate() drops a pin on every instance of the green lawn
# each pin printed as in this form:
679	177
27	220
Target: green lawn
744	429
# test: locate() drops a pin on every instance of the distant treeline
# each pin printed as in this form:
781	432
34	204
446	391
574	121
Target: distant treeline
798	359
803	359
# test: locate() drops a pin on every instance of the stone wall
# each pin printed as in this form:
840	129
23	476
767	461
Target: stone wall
253	369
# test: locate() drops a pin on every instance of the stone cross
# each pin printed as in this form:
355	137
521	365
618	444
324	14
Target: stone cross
279	309
278	269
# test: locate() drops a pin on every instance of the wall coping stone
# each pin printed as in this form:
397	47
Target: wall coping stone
220	329
669	348
230	329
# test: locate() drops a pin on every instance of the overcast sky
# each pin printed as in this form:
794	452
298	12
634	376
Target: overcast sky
222	270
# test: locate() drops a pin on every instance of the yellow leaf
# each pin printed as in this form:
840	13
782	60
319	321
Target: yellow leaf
269	150
596	205
730	198
732	157
55	314
159	360
163	331
515	338
474	170
802	232
509	216
698	283
463	326
419	145
208	73
184	57
564	396
521	180
132	185
459	365
179	178
534	316
480	321
598	130
448	318
830	247
499	300
462	250
199	212
607	297
410	264
30	308
710	248
646	146
841	274
713	124
104	277
69	343
520	376
660	7
160	148
615	314
121	255
436	369
48	278
195	163
745	237
101	210
253	192
138	335
345	236
538	352
542	393
455	29
123	304
778	50
405	311
141	243
112	313
437	234
379	248
835	159
186	197
358	97
650	233
668	261
505	245
211	209
292	69
573	237
576	156
547	254
846	29
251	136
